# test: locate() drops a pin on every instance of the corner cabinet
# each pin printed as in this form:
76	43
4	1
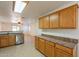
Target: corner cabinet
68	17
62	19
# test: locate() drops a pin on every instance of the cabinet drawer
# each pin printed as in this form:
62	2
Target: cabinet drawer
68	50
41	39
4	37
50	43
61	53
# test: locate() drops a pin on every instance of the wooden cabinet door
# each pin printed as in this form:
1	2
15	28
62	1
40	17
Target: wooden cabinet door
54	20
68	17
49	50
53	51
61	53
36	42
4	41
0	41
41	45
41	22
46	22
12	39
66	49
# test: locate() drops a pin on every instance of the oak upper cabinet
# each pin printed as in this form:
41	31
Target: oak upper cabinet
64	19
4	40
44	22
49	49
41	45
36	42
54	20
12	39
41	22
68	17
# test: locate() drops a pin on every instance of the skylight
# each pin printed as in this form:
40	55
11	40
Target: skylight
19	6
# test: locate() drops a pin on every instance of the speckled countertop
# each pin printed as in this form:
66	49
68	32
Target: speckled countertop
10	32
60	40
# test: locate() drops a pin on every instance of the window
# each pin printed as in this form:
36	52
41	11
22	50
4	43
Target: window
15	28
19	6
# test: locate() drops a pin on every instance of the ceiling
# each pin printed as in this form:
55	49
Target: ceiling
37	8
32	10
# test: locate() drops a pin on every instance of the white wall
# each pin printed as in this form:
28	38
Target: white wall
4	26
31	27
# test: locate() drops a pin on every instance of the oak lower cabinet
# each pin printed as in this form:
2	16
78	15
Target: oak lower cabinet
66	49
4	41
41	45
7	40
61	53
12	39
36	42
68	17
49	49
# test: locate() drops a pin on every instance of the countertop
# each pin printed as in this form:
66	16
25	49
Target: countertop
59	40
10	32
19	35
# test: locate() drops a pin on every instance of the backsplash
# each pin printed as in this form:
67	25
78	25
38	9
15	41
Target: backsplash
70	33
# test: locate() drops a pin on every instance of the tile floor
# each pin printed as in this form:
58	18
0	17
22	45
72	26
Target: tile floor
24	50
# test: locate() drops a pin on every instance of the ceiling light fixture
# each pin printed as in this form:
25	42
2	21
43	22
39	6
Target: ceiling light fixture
19	6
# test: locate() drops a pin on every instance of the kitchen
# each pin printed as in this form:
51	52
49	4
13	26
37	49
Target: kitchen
49	28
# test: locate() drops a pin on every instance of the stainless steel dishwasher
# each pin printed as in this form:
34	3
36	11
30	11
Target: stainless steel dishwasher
19	38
